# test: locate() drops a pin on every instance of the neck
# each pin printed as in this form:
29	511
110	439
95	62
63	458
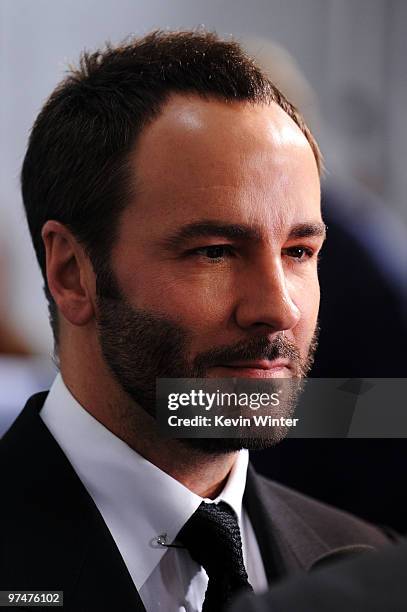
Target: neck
202	473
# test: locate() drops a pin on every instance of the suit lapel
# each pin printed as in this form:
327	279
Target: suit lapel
62	536
286	543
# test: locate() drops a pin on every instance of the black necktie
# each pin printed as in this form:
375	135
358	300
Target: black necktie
212	537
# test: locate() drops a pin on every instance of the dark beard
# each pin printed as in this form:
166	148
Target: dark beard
140	347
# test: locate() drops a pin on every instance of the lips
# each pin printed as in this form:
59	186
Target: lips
261	368
260	364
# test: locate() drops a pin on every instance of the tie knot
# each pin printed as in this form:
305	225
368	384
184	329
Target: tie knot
212	533
212	537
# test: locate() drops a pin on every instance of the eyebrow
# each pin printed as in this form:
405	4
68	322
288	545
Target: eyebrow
211	228
308	230
231	230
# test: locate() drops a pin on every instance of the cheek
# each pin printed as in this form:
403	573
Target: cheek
197	302
307	300
310	301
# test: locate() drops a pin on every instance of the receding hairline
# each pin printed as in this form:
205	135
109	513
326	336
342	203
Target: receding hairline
137	185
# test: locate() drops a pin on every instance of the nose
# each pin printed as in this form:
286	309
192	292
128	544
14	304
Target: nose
265	298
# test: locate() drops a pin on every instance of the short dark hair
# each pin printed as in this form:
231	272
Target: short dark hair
76	168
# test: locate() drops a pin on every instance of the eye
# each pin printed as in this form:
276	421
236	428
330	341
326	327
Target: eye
215	252
299	252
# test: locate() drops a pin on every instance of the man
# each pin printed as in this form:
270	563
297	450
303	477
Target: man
173	199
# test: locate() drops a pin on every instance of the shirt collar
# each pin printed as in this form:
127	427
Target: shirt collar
137	500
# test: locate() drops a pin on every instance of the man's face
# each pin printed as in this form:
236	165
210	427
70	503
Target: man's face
215	263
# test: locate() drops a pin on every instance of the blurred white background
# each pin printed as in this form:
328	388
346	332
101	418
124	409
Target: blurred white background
353	52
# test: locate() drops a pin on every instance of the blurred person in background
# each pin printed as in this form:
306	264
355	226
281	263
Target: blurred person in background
10	341
363	322
369	583
22	373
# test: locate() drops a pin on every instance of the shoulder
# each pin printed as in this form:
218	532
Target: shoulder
332	525
25	429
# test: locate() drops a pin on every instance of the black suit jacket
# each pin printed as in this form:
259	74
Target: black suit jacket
52	536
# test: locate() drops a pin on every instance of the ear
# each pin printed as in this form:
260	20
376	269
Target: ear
69	273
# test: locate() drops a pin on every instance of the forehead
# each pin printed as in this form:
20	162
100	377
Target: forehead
238	162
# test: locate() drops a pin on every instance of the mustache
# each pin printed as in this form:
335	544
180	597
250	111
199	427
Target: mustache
255	348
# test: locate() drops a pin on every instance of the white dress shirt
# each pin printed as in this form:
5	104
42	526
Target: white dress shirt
140	502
